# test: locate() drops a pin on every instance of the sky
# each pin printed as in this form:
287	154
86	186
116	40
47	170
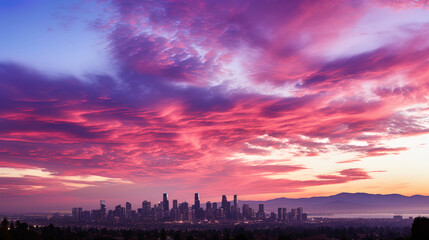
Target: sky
125	100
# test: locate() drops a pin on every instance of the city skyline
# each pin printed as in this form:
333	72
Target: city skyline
210	212
263	99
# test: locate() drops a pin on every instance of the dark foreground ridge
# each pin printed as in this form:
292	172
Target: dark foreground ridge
19	230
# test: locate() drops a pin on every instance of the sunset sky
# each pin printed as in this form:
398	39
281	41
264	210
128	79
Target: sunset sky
123	100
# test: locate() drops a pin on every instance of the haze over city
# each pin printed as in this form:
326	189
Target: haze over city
125	100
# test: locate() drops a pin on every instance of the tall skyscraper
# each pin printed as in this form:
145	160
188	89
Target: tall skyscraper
285	216
293	215
226	207
103	208
146	207
235	208
261	212
174	213
165	203
197	202
127	206
299	214
247	212
184	211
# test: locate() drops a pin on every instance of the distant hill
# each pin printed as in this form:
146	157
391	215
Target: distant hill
349	203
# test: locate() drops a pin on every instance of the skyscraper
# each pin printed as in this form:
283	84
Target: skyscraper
197	202
285	216
184	211
146	208
127	206
165	203
102	208
76	214
226	207
235	208
299	214
261	212
247	212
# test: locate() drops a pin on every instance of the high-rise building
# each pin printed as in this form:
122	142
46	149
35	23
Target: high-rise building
247	212
184	211
146	209
285	217
128	210
279	214
76	214
174	213
103	207
293	214
197	202
165	203
261	212
215	210
209	211
235	208
226	206
299	213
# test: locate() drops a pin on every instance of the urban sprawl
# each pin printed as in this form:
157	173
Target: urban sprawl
182	212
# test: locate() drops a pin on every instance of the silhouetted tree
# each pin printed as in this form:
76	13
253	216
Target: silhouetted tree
420	229
4	231
4	224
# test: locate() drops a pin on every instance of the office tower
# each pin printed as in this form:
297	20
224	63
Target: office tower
119	212
261	212
292	215
261	208
197	202
103	207
165	204
235	208
246	212
146	209
128	210
209	211
304	217
174	212
224	201
226	206
279	214
76	214
299	214
184	211
284	214
215	210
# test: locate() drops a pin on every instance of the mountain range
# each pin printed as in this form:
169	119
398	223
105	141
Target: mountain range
349	203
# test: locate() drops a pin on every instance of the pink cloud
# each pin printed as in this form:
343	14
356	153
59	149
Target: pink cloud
174	117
